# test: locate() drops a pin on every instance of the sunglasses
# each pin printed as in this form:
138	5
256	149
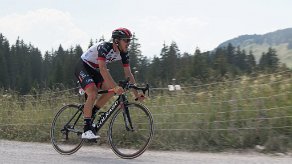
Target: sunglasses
127	40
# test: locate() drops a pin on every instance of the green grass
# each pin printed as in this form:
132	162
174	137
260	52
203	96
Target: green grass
238	114
231	115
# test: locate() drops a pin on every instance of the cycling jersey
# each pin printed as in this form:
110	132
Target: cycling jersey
103	51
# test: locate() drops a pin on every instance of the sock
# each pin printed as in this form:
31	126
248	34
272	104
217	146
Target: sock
87	124
94	110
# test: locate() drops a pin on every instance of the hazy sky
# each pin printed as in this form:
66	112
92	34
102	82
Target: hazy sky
190	23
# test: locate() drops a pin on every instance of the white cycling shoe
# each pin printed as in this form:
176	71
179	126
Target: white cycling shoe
89	135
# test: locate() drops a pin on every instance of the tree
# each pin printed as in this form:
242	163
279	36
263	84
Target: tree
251	63
4	60
137	61
36	65
29	69
230	53
47	71
241	60
154	72
169	59
58	65
77	52
200	68
185	63
220	62
269	61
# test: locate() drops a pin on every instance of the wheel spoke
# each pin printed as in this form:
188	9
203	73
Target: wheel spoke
131	142
66	130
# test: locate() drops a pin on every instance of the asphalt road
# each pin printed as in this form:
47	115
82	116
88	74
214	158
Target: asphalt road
23	152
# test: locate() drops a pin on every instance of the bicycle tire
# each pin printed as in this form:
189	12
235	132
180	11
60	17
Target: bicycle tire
66	141
131	144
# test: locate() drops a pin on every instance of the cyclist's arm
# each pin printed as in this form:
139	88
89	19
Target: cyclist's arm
129	74
105	74
103	49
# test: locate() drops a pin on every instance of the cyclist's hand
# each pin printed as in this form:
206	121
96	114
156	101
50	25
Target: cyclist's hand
140	97
118	90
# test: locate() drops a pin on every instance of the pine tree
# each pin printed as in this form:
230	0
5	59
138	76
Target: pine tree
230	53
36	65
47	70
58	65
269	61
136	58
200	68
241	61
78	52
154	72
220	62
4	60
251	63
185	63
169	59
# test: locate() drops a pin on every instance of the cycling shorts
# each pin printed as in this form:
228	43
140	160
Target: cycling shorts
88	76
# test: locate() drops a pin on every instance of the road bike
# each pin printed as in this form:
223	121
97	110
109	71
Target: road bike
130	129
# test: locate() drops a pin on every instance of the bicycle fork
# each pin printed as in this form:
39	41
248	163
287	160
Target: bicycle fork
127	119
126	115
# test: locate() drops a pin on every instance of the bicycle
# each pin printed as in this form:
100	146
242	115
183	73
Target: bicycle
129	133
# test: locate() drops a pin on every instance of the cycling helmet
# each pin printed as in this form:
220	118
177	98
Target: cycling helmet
121	33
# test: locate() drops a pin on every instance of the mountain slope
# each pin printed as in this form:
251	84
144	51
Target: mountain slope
281	40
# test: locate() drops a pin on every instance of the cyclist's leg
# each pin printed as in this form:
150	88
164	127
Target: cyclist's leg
86	78
91	92
103	99
89	132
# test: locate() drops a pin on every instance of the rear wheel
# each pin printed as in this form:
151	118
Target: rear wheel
66	129
127	142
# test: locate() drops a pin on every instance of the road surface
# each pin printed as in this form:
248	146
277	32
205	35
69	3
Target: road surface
14	152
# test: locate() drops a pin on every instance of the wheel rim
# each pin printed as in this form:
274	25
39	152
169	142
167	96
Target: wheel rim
66	139
131	144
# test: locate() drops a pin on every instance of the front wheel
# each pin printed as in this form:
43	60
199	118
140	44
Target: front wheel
66	129
131	130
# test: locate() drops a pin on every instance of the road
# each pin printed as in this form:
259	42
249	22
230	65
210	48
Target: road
14	152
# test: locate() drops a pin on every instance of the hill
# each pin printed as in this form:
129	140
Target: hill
281	40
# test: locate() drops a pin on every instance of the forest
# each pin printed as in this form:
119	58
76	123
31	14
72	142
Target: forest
24	69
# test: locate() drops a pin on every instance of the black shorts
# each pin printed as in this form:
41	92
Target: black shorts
87	76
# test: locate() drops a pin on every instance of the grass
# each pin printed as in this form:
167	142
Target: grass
213	117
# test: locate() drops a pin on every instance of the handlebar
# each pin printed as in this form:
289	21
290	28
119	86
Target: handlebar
143	89
126	86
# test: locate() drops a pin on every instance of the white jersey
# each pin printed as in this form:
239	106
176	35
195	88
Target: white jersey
103	51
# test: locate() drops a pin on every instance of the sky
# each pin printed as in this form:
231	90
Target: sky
190	23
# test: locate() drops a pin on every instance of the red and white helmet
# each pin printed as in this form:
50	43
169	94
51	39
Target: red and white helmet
121	33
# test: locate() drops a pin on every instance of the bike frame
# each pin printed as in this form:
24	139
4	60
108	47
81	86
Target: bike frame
104	117
120	101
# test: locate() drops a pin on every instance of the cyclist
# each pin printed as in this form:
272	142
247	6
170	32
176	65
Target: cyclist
93	74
